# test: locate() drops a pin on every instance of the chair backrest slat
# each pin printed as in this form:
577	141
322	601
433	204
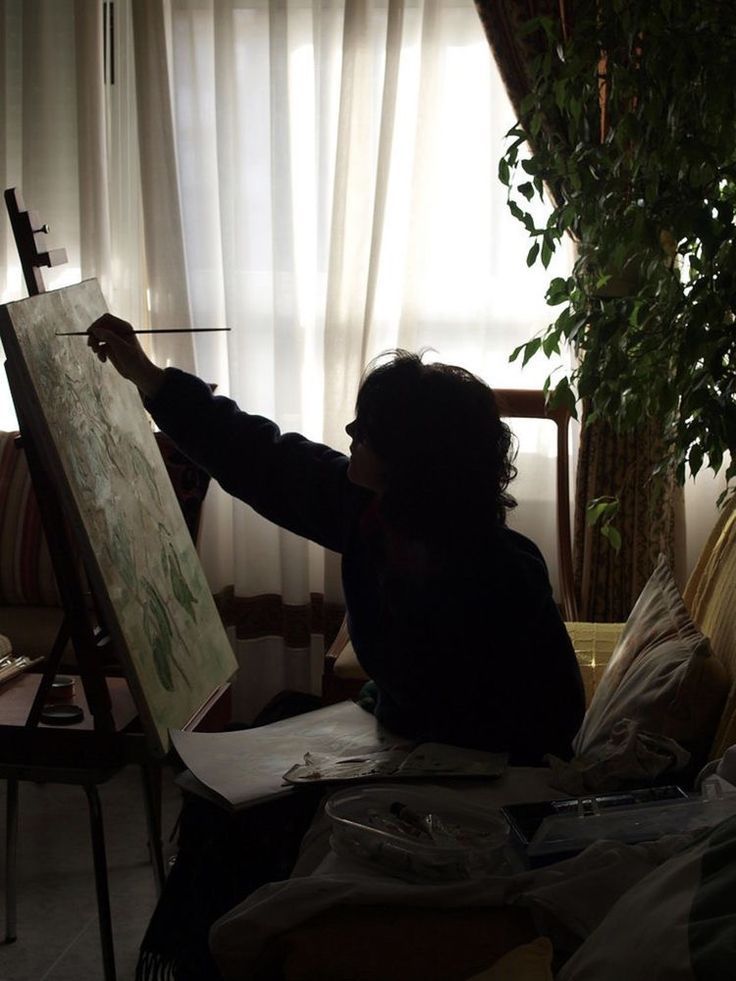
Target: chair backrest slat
520	403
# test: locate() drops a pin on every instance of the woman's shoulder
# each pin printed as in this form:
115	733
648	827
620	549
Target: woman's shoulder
498	544
516	543
514	563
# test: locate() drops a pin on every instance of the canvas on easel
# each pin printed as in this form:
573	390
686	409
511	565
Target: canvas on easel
95	439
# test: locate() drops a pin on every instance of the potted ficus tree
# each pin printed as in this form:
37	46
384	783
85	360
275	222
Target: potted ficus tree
632	127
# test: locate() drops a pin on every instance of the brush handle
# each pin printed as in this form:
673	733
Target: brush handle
163	330
16	666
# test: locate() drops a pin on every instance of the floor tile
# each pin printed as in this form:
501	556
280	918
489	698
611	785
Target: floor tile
58	934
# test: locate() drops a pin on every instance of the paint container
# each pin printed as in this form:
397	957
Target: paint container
62	688
62	714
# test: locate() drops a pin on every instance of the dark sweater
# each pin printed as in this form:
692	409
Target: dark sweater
466	647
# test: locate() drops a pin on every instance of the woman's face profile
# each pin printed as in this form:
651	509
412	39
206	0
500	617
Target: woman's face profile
366	468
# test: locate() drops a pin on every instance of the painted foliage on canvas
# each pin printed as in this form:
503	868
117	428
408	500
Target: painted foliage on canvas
111	475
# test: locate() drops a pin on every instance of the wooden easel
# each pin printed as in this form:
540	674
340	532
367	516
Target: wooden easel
87	633
110	737
30	232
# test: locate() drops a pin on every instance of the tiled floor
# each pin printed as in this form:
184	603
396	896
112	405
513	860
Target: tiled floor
58	938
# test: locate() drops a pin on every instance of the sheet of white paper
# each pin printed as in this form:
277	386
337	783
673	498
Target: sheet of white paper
241	768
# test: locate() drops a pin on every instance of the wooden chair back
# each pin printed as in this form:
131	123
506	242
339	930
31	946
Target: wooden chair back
519	403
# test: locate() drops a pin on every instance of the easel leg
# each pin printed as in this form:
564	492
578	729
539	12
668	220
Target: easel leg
151	776
11	861
103	894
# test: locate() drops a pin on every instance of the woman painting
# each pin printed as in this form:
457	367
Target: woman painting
450	612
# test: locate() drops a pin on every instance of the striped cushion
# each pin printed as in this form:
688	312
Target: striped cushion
26	574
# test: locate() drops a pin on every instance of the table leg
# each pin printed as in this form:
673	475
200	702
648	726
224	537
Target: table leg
11	861
101	884
151	776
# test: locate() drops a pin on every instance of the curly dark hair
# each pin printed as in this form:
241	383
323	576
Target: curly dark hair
448	454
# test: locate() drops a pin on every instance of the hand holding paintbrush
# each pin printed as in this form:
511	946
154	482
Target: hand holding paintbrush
115	340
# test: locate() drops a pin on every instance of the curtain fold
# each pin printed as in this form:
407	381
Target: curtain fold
168	296
359	198
319	148
43	153
3	152
68	140
502	20
95	252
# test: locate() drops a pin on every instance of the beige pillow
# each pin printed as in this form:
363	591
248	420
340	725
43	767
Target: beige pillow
661	675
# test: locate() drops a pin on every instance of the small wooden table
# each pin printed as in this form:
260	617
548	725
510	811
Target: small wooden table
72	754
80	754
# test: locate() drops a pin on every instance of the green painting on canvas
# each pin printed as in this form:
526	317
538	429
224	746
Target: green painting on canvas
100	450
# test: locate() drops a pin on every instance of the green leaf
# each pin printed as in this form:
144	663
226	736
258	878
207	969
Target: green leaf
516	352
551	344
596	509
526	189
558	291
503	171
563	397
613	535
532	254
530	349
525	29
695	459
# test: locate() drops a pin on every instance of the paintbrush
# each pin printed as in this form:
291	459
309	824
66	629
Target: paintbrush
162	330
16	666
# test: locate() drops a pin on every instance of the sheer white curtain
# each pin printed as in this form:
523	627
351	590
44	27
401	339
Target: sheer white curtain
318	176
337	166
68	140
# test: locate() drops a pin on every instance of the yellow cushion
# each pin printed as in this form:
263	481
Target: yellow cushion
711	598
594	643
530	962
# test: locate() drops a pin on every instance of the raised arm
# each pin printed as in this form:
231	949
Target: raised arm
296	483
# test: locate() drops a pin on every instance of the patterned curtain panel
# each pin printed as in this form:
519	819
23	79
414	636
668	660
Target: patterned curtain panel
501	21
651	519
514	51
